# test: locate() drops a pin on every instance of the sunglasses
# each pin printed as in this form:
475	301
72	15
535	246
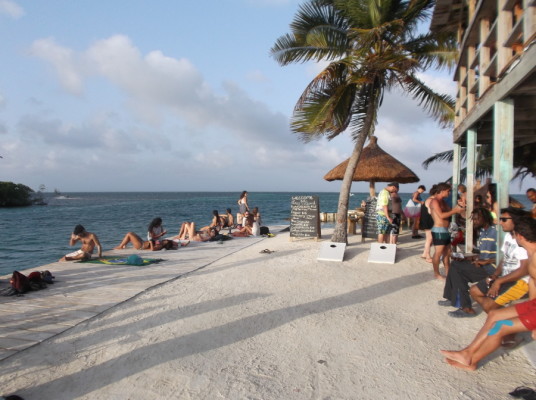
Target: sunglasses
504	219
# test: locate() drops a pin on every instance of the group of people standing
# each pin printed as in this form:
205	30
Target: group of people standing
248	222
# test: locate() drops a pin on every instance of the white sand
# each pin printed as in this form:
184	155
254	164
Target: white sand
272	326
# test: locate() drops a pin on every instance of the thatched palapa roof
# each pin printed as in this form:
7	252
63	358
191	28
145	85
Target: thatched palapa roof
375	165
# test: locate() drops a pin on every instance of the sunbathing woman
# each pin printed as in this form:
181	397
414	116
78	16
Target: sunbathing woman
247	226
188	232
136	241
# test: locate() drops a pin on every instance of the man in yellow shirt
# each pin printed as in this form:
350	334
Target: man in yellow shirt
382	211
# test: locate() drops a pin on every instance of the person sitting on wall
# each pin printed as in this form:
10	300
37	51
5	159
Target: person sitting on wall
463	271
504	321
89	242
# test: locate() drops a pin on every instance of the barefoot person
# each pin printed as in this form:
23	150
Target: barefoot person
505	321
89	242
188	232
441	213
510	280
136	241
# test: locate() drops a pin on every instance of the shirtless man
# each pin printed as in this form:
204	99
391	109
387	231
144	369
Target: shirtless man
441	213
89	242
504	321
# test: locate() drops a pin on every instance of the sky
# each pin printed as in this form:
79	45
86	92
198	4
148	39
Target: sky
162	95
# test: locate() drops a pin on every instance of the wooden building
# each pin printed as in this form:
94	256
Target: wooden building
496	82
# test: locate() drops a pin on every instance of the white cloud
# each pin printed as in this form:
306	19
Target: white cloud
11	9
441	83
63	60
157	87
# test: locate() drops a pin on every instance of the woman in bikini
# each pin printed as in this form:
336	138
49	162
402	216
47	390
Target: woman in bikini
217	222
247	226
188	232
137	242
242	207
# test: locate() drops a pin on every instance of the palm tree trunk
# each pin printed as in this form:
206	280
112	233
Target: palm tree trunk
339	233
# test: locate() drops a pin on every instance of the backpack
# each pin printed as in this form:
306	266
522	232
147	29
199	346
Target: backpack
20	282
264	230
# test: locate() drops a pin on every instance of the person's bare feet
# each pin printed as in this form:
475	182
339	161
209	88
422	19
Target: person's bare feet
119	247
459	356
460	366
439	276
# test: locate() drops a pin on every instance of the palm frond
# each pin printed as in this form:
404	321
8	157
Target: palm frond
318	33
440	106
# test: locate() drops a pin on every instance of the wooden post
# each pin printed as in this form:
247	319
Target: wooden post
503	154
456	165
471	162
372	189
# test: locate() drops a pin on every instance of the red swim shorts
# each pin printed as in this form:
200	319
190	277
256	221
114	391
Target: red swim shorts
527	314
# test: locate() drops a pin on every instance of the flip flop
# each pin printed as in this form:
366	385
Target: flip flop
511	343
266	251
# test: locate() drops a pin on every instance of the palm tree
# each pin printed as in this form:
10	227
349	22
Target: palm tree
524	161
371	46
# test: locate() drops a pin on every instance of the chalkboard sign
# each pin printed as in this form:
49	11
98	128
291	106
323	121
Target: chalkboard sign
304	216
369	227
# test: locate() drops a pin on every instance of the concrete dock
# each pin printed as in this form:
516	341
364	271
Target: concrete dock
84	290
232	321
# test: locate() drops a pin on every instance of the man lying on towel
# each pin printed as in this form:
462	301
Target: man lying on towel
89	242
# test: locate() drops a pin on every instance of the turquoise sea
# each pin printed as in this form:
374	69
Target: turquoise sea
38	235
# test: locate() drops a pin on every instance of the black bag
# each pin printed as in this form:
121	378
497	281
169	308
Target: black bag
264	230
220	237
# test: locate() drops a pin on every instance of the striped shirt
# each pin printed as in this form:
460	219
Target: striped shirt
487	243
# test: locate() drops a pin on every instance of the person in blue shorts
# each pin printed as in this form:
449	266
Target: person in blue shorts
441	213
383	219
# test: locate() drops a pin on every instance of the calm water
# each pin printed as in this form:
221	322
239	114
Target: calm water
34	236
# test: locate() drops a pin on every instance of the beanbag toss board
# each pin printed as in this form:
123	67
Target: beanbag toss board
382	253
331	251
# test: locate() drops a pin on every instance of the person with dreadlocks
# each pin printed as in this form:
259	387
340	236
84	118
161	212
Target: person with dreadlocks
472	269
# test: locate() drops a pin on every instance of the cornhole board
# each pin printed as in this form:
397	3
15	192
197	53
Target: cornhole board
331	251
382	253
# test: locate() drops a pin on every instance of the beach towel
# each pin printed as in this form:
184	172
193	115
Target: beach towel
128	260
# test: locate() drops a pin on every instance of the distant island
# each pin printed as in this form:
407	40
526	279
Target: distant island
19	195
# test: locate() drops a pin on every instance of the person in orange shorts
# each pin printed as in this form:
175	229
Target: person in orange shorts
504	321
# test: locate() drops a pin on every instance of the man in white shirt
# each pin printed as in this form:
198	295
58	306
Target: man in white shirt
510	280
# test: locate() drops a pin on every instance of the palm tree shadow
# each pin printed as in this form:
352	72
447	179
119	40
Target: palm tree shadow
125	365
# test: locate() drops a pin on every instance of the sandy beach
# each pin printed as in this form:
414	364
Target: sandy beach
280	325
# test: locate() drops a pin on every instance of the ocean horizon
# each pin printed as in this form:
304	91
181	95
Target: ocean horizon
38	235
